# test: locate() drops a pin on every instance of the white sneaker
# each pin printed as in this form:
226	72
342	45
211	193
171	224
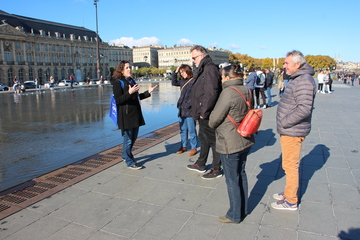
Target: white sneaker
264	107
279	196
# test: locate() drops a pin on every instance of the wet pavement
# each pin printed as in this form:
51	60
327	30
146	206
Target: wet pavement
43	130
164	200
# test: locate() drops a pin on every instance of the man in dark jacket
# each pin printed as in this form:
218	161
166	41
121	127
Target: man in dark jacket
293	120
269	78
204	94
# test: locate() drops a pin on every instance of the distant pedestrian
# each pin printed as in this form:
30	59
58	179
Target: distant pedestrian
259	88
204	94
186	122
250	83
233	148
37	83
130	118
352	78
293	120
320	79
71	80
269	79
281	82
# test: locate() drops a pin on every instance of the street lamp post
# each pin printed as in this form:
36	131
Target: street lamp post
97	43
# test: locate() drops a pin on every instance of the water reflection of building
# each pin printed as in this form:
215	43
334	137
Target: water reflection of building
32	48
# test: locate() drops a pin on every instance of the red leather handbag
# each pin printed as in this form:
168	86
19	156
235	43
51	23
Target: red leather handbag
252	120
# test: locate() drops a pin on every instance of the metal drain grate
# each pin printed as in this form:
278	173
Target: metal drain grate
24	194
36	189
45	185
13	199
3	207
57	180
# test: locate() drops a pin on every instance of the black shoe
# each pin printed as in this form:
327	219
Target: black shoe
136	166
212	174
196	167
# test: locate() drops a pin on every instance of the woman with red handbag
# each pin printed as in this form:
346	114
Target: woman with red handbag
232	147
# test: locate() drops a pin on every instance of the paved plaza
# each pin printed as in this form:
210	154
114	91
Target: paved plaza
165	200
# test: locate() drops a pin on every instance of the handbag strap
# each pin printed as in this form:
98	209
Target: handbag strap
186	84
247	103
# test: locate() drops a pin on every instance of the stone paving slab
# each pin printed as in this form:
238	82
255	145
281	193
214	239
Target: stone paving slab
167	201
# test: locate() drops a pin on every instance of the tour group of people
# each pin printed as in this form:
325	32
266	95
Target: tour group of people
207	96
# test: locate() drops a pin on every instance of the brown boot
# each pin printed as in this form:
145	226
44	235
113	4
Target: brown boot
192	152
181	150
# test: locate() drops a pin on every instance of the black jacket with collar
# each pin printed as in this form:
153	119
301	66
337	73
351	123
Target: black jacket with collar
206	88
129	109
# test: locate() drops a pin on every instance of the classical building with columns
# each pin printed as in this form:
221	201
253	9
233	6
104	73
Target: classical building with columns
32	48
146	56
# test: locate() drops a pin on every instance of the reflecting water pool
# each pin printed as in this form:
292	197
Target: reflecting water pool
41	131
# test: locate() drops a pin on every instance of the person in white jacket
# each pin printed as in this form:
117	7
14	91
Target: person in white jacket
259	88
320	79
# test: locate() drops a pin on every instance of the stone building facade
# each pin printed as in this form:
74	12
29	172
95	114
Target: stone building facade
177	55
146	56
32	48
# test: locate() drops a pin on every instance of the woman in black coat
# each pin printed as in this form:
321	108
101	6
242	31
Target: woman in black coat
186	122
130	118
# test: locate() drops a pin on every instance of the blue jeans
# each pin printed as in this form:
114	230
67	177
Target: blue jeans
188	127
236	182
268	95
130	136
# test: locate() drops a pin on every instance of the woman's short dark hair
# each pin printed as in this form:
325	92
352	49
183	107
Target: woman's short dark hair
119	69
187	69
231	72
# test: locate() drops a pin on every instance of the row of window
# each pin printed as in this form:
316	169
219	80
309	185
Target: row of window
55	58
45	75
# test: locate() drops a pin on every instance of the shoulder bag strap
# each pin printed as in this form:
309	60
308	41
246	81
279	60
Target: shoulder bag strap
247	103
185	84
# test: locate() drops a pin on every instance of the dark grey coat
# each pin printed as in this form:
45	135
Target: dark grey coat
296	105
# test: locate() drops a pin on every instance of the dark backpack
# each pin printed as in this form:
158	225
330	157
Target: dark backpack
260	80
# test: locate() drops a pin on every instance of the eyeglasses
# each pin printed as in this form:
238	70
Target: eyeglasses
196	57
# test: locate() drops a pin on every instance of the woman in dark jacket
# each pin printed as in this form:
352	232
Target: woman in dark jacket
130	118
232	147
187	123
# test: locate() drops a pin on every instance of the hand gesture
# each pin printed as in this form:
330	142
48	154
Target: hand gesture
133	89
152	88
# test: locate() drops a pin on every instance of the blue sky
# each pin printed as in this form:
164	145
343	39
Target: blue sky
259	29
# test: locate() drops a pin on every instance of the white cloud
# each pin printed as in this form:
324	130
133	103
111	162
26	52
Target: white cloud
130	41
215	44
234	46
261	47
184	42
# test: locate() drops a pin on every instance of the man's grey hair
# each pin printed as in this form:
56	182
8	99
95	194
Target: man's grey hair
200	49
297	57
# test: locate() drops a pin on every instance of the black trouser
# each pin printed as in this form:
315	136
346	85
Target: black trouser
208	139
259	91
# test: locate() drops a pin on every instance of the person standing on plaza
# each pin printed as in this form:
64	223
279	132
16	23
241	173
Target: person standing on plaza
204	94
320	79
280	82
269	78
71	80
250	83
37	82
187	123
233	148
293	120
352	78
130	118
259	88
